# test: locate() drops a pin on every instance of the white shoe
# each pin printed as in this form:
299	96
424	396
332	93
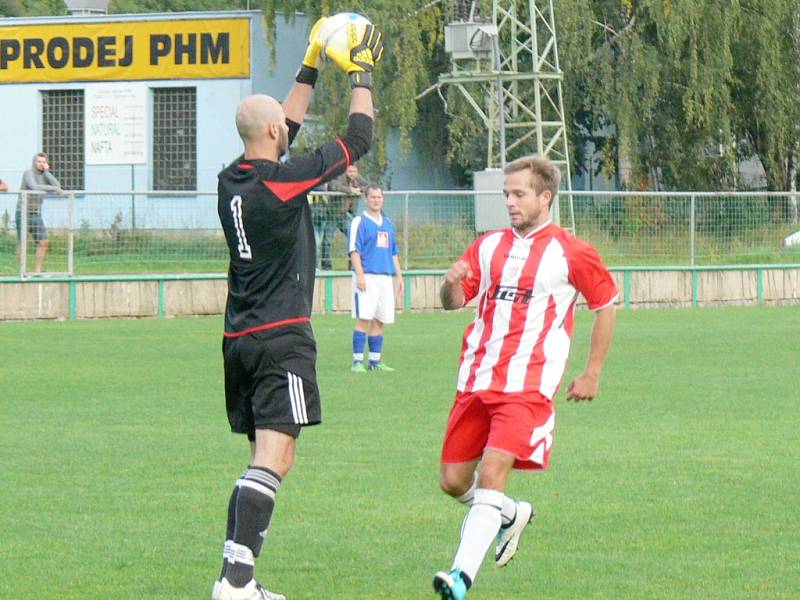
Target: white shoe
223	590
508	536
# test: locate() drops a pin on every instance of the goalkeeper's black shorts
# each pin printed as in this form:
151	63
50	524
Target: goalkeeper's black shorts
271	380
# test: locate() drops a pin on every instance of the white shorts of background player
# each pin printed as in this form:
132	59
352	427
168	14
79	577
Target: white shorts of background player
377	302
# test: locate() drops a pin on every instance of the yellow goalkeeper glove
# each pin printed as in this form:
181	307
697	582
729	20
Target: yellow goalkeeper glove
361	56
313	58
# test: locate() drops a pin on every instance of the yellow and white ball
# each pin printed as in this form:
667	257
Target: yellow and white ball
341	32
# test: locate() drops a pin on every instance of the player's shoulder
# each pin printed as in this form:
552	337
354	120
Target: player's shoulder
567	238
493	235
576	250
242	169
486	240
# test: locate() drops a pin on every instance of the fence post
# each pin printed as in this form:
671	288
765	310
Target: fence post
73	300
407	292
162	298
23	236
627	283
133	200
405	233
328	294
692	226
71	234
759	286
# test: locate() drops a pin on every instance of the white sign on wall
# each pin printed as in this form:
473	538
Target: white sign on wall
116	124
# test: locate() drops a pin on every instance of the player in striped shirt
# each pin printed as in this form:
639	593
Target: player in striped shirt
526	280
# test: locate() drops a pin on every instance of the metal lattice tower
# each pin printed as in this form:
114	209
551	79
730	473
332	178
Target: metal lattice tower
507	69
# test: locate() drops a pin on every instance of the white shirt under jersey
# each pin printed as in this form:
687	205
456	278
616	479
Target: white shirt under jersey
526	289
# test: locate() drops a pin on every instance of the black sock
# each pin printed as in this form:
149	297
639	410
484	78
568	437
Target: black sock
467	580
253	507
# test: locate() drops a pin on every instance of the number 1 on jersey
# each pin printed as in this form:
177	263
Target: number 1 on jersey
243	246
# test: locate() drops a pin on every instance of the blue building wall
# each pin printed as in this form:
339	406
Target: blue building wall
217	141
216	136
21	130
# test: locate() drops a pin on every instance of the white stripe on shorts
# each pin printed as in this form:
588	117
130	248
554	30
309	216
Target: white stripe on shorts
297	398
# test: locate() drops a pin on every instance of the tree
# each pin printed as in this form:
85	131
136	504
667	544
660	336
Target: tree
766	90
149	6
27	8
686	89
657	74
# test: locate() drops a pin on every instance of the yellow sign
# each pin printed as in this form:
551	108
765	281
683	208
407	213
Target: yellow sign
125	50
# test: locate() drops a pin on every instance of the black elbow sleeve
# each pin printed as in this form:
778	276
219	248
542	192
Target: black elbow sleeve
358	138
294	128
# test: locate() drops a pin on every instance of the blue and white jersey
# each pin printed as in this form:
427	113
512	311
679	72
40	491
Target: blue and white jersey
376	242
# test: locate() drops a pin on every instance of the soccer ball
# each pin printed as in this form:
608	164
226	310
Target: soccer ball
336	32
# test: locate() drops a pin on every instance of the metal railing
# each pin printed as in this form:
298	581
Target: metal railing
174	232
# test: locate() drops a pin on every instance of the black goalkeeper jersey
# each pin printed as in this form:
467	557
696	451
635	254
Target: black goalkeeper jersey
265	214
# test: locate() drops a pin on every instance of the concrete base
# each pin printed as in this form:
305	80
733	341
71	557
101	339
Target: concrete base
154	296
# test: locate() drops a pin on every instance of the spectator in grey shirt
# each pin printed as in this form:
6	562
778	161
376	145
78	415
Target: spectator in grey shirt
40	181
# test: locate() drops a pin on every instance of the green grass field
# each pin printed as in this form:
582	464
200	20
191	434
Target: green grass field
682	480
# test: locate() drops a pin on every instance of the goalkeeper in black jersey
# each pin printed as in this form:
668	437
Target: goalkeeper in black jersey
268	346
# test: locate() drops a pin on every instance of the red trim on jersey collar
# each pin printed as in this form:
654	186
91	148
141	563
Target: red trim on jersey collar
236	334
286	190
244	165
533	232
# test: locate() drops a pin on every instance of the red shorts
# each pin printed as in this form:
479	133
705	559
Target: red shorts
519	424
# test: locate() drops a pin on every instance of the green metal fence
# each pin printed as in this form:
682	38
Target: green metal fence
147	232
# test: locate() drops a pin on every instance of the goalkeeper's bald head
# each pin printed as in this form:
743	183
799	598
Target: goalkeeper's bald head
260	119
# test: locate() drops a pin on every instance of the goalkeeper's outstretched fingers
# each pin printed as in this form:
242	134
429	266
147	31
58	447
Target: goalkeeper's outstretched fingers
366	54
361	53
313	56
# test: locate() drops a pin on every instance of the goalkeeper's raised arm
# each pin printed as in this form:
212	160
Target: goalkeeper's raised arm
357	58
296	103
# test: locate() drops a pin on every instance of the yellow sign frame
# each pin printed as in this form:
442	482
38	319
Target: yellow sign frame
125	50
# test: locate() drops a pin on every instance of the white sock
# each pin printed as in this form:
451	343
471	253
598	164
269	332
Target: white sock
479	531
467	497
509	510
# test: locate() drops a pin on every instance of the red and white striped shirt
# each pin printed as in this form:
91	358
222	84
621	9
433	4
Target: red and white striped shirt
527	289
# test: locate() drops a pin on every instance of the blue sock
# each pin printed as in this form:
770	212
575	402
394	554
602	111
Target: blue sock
359	341
375	348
